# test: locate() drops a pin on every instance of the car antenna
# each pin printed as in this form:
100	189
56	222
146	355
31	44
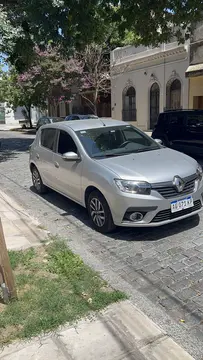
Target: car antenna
102	122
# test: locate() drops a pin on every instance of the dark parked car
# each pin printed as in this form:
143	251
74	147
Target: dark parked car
44	120
181	130
80	117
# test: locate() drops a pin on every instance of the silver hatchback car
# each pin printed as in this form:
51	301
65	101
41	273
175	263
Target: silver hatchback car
122	176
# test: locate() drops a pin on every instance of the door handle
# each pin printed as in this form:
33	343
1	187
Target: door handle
56	165
37	156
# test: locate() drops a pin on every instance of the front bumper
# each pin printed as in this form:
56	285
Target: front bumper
155	208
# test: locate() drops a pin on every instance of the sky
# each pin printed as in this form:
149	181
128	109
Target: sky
2	63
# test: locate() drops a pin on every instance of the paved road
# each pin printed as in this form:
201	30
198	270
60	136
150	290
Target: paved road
161	269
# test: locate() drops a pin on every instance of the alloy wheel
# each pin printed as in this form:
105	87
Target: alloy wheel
36	179
97	212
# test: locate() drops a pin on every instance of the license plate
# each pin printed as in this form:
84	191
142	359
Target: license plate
182	204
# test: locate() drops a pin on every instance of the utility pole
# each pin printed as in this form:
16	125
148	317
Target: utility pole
6	274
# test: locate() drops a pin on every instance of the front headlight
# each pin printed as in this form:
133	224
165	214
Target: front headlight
133	186
199	172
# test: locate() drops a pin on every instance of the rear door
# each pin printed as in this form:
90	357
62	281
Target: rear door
44	155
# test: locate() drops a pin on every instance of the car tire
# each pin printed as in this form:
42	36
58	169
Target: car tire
37	181
103	221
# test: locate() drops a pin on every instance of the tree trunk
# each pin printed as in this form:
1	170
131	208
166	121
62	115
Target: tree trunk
29	117
28	108
95	108
95	102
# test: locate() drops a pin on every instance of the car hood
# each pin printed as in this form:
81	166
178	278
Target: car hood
153	166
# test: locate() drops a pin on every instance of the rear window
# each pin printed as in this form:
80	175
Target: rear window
56	119
48	137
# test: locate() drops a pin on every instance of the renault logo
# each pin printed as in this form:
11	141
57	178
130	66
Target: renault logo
178	183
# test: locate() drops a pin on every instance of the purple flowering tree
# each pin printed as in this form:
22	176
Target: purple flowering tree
54	78
95	78
51	78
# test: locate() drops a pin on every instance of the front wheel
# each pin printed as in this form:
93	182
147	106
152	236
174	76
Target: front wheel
100	213
37	181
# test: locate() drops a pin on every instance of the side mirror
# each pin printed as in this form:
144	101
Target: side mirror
70	156
159	141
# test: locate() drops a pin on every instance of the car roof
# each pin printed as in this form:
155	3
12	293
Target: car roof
182	111
85	124
82	115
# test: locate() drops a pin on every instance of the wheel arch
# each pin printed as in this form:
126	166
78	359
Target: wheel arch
89	190
32	165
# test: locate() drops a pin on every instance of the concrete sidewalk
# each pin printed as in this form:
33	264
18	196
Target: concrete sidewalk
121	332
20	230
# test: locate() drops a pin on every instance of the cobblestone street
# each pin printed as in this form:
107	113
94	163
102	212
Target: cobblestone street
161	269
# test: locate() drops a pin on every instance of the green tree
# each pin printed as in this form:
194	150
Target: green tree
155	22
14	95
71	24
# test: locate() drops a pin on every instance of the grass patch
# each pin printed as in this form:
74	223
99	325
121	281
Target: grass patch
54	287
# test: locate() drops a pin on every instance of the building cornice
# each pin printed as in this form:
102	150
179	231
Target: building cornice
132	64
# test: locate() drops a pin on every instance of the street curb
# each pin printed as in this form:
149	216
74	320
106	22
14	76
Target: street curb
29	226
151	341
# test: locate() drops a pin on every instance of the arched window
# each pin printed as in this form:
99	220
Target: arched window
154	104
173	95
129	104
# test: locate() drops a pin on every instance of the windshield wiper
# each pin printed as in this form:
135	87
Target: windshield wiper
145	149
108	155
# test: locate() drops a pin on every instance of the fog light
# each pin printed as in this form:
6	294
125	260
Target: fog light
136	216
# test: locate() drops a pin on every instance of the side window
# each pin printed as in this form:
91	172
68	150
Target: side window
176	119
40	122
66	143
173	120
195	120
75	117
46	121
48	137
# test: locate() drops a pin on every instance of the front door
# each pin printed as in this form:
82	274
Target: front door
67	173
195	133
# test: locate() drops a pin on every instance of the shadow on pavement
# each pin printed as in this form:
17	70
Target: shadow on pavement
25	131
70	208
9	147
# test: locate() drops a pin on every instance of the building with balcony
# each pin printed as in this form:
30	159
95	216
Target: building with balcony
145	81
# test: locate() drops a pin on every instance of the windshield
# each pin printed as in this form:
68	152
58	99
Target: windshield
92	117
88	117
115	141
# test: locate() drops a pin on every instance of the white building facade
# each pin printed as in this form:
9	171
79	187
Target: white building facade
10	117
146	81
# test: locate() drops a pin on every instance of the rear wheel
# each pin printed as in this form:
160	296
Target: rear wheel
37	181
100	213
